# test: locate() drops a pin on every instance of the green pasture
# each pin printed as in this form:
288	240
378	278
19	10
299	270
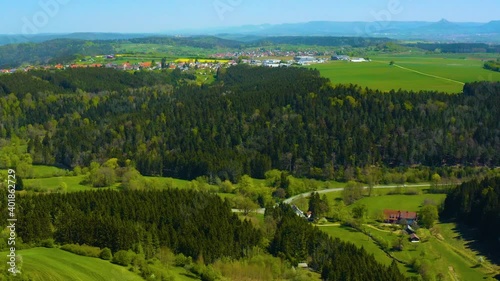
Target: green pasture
349	234
432	73
398	202
73	184
53	264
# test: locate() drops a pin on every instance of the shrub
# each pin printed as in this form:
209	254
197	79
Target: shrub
181	260
82	250
123	257
106	254
47	243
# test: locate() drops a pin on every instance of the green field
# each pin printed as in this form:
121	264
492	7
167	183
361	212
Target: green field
359	239
435	72
73	184
54	265
399	202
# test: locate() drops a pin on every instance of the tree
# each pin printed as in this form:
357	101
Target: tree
226	187
102	177
245	186
318	206
428	215
435	180
391	62
163	62
245	204
352	192
359	211
19	183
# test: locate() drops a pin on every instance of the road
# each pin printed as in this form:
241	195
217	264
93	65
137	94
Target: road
323	191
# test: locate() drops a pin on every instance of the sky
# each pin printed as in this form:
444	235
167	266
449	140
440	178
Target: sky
154	16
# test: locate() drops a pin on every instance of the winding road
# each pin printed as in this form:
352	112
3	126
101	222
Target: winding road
323	191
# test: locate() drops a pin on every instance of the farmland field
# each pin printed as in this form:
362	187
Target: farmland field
410	72
399	202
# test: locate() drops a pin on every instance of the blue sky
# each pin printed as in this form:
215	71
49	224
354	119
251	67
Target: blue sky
58	16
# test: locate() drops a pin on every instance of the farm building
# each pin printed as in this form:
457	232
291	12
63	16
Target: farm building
341	57
406	217
304	59
358	60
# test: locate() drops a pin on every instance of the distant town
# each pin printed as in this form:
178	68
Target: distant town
264	58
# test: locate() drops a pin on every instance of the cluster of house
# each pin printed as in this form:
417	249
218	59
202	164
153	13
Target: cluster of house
268	53
300	60
127	66
403	217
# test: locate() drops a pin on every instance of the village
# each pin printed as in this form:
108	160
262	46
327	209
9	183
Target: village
216	61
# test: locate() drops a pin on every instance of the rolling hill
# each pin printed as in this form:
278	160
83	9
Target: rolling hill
58	265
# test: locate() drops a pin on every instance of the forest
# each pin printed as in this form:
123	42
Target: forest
196	224
249	121
189	222
476	204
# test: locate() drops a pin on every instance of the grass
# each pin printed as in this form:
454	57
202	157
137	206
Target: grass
378	74
41	171
349	234
54	265
398	202
51	184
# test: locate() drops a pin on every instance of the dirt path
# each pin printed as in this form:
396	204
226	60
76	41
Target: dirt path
430	75
381	230
330	224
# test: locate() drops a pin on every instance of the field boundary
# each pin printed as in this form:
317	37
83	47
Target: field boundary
430	75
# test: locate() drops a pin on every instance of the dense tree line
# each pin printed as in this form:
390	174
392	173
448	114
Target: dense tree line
299	241
193	223
458	47
249	121
356	42
477	204
91	80
203	42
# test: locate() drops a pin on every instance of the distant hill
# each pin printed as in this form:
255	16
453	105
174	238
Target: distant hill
492	26
442	30
322	41
67	50
53	51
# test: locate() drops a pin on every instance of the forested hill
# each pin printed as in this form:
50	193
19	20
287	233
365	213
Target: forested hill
67	50
54	51
252	120
323	41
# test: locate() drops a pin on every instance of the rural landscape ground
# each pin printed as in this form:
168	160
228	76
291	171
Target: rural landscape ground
445	248
269	158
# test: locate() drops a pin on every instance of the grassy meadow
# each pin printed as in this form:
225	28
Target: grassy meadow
55	264
446	73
